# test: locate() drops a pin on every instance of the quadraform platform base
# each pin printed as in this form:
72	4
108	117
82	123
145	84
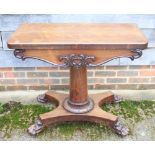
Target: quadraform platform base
60	114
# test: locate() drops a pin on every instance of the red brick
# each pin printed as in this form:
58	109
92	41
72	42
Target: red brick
47	68
37	74
152	66
153	80
9	75
49	81
2	88
1	75
139	80
139	67
59	87
146	86
105	86
14	74
16	87
59	74
89	73
6	69
27	81
65	81
97	68
7	81
147	73
24	68
64	68
127	86
116	67
116	80
105	73
95	80
127	73
38	87
90	86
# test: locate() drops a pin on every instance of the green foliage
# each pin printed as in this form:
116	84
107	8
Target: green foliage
136	110
20	116
70	127
14	115
1	108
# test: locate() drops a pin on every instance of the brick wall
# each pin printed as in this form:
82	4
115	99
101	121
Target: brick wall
106	77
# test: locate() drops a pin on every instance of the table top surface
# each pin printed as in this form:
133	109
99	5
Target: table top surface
78	36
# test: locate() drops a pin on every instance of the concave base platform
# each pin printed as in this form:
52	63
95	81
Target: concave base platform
60	114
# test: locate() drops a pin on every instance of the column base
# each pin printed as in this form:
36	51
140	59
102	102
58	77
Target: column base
96	114
78	109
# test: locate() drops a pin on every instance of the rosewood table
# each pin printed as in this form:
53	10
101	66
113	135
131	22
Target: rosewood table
78	46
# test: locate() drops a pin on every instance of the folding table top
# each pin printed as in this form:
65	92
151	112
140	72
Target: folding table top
78	36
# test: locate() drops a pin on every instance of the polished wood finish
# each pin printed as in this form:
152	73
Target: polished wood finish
78	85
48	42
100	55
78	36
97	115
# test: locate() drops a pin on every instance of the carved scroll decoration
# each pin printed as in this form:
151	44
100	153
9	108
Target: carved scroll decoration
77	60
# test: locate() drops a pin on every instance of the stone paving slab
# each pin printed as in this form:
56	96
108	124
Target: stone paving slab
30	96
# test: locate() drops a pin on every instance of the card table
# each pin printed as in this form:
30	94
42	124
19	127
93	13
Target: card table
78	46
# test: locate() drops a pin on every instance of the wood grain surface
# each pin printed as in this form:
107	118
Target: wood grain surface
78	36
97	115
101	56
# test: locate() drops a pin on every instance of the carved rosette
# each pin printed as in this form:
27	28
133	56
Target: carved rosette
77	60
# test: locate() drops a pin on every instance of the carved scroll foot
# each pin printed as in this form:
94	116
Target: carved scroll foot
120	129
36	128
42	98
117	99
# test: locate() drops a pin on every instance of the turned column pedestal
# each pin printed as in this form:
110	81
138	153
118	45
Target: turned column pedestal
78	105
78	100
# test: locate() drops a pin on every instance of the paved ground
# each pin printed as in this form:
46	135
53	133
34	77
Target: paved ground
30	96
144	130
